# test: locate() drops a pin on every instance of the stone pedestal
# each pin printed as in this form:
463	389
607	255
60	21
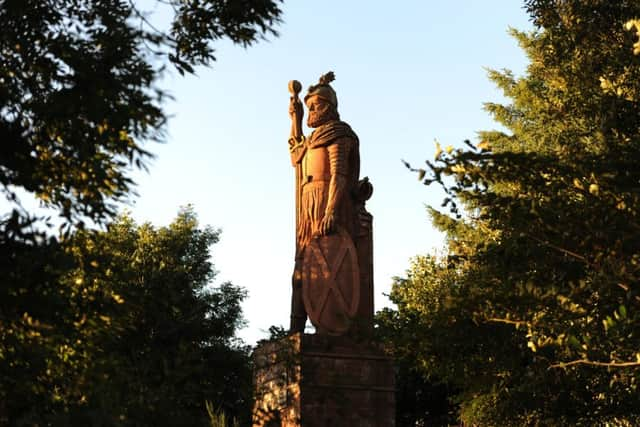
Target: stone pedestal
321	381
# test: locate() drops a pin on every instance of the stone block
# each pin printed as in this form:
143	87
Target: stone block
320	381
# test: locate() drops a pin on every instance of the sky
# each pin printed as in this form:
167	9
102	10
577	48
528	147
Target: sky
407	73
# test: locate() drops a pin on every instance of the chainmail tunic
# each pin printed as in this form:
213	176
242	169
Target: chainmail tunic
341	145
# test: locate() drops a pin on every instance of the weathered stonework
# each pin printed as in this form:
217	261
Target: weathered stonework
320	381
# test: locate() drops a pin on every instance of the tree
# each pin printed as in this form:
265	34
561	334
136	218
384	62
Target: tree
421	400
79	93
79	97
537	296
138	336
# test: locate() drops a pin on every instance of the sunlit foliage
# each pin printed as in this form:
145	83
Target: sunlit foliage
533	313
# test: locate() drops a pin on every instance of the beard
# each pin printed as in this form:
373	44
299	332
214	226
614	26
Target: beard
318	118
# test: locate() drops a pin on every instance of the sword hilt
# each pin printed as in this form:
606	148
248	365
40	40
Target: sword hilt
295	109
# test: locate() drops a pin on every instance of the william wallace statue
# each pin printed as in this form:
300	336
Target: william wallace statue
333	273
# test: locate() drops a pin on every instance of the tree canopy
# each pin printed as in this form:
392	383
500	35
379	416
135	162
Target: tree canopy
79	91
123	328
120	326
533	312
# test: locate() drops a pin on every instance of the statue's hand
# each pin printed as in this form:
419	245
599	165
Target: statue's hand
327	225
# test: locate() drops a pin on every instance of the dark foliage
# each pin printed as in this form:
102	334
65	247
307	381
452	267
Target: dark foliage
121	328
79	93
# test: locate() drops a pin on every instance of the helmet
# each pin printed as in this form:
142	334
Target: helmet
324	90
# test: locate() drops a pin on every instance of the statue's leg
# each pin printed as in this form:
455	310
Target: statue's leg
298	313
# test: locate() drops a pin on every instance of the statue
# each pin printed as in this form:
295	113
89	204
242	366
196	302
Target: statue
333	273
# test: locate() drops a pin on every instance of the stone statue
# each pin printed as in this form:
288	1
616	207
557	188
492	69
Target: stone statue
333	273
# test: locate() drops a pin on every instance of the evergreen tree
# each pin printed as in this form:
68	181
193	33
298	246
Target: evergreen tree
533	314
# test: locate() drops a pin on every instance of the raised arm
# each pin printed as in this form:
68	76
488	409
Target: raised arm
296	138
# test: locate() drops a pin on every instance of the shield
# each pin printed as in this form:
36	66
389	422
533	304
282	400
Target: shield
331	282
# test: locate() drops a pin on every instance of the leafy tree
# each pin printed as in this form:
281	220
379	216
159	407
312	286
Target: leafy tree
30	304
137	337
79	96
79	92
533	314
421	400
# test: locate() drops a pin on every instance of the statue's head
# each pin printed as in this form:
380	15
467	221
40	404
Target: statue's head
322	102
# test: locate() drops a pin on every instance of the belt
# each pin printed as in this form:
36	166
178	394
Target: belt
310	178
314	184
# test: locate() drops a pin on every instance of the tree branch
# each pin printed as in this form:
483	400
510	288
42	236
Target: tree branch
517	323
558	248
594	363
144	20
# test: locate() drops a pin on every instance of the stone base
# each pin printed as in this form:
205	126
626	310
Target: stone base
320	381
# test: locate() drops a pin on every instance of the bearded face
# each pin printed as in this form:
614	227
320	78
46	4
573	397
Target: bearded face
320	112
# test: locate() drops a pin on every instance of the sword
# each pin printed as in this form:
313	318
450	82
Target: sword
296	112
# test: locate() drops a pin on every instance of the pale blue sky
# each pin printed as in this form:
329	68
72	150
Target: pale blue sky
406	72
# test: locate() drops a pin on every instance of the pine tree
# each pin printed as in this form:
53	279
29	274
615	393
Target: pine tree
540	306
